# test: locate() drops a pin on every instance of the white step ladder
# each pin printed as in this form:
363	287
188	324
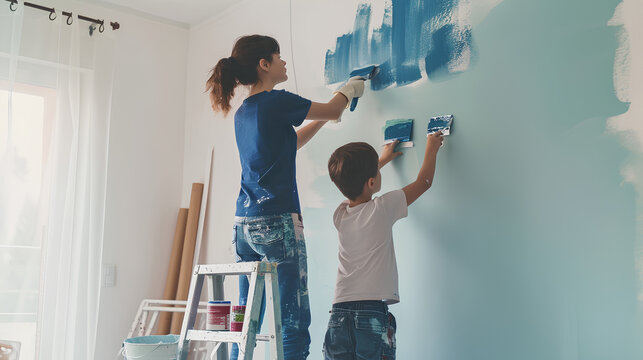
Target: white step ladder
262	275
143	324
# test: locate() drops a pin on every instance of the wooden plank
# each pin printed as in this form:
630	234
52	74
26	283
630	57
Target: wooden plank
172	279
188	253
205	203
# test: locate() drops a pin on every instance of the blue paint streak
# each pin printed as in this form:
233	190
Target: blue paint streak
359	45
398	130
443	48
338	62
351	49
381	39
385	77
405	41
413	34
438	56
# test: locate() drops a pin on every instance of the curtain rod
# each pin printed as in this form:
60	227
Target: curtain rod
52	15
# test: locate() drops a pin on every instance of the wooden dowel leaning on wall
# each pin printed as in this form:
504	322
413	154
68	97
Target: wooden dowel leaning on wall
172	280
187	257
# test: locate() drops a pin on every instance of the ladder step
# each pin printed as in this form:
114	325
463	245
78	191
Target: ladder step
220	336
242	268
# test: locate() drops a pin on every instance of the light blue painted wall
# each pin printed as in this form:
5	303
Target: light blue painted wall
524	248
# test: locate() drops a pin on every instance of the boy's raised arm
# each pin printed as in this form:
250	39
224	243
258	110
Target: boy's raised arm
425	176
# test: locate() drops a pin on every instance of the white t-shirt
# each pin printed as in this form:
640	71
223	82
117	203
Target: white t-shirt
367	268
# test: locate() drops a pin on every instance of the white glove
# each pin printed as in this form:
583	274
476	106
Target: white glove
352	89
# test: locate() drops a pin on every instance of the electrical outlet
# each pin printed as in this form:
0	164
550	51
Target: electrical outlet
109	275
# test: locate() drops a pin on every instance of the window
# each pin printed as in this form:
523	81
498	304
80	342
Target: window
24	147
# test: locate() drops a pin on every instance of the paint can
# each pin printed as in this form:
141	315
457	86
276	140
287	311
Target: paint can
218	315
238	314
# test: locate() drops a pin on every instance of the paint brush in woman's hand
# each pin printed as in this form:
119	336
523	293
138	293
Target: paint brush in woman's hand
365	73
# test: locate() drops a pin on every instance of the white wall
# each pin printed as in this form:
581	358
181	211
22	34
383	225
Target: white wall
145	166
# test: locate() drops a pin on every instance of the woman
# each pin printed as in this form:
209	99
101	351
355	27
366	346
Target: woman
268	222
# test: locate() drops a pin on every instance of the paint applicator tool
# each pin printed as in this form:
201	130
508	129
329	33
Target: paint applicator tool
440	123
366	73
400	130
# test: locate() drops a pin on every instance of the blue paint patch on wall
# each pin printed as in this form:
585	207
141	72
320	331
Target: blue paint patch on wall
359	43
405	41
448	43
400	129
414	36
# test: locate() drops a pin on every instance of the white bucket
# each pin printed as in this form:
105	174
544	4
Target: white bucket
157	347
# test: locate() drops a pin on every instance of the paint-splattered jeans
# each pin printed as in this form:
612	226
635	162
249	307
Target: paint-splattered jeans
360	330
279	239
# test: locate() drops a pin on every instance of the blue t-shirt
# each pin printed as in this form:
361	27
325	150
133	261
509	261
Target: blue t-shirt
267	144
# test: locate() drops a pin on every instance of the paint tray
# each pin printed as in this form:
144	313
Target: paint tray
398	129
440	123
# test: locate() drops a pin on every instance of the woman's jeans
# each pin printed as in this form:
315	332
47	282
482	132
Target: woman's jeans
360	330
278	239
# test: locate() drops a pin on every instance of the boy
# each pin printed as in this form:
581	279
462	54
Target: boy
360	326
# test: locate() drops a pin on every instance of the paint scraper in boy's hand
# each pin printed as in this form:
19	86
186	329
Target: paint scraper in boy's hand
440	123
399	130
365	73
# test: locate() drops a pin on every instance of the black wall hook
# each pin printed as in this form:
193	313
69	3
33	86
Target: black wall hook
52	13
13	5
70	19
101	28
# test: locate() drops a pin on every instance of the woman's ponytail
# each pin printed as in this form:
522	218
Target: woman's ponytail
240	68
221	84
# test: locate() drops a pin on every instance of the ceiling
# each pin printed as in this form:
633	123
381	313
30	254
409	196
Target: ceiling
184	12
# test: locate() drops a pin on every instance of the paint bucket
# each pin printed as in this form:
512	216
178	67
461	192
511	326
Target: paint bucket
236	320
157	347
218	315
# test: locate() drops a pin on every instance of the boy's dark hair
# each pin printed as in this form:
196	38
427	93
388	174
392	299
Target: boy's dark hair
351	166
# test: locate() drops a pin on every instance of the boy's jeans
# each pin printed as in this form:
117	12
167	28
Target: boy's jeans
279	239
360	330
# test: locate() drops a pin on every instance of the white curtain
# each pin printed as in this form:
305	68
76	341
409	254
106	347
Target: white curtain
56	84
